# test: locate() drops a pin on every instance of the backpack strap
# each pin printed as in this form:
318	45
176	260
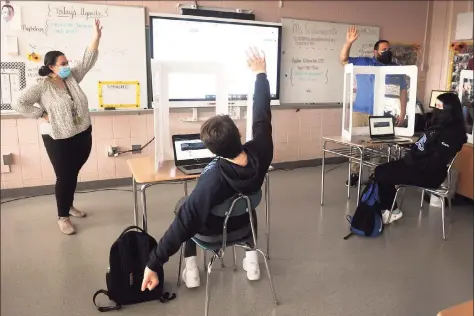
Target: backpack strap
130	228
106	308
348	236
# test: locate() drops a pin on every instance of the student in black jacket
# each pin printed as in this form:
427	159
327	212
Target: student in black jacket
425	165
238	168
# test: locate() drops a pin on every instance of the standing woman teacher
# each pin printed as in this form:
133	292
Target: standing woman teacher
60	101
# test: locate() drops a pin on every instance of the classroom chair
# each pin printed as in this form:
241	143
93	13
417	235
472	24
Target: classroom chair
237	205
441	193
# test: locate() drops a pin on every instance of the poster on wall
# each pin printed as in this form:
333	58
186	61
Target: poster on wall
461	58
406	54
465	91
11	15
12	79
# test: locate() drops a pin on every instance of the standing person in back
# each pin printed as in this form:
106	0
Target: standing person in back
396	88
238	169
59	100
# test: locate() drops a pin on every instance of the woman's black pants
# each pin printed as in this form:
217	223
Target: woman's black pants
67	157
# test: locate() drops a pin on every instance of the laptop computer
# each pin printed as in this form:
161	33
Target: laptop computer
191	155
381	128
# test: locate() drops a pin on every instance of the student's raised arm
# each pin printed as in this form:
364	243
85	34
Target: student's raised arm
261	113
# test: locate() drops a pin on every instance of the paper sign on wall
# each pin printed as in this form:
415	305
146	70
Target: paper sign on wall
12	45
464	30
11	15
119	94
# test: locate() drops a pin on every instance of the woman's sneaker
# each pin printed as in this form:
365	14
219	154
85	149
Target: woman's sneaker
191	274
76	213
65	226
397	214
250	264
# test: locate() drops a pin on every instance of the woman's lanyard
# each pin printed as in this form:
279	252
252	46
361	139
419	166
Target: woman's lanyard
74	112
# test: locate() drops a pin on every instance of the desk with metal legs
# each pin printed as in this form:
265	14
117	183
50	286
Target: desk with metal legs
356	150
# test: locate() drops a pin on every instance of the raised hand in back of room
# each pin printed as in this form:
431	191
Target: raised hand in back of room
352	34
256	61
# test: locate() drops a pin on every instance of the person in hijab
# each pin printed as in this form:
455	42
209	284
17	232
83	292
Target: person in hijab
425	165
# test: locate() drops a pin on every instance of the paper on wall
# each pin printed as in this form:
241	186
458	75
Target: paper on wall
12	45
11	15
464	30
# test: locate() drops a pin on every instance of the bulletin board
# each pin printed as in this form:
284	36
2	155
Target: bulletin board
33	28
460	55
406	54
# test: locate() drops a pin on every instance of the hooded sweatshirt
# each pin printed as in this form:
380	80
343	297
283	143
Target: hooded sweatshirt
221	180
441	142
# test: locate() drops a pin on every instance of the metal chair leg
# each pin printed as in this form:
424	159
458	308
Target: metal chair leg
208	272
204	259
422	198
267	198
323	174
234	258
402	199
450	208
394	204
222	262
271	283
178	282
442	201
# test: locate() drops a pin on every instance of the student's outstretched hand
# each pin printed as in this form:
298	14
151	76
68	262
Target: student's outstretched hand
256	61
150	279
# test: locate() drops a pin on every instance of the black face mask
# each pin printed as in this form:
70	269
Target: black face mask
386	57
441	117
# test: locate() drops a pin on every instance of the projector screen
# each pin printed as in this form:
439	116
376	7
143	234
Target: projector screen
187	39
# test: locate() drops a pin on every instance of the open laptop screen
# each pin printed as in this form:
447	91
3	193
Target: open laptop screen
381	126
189	149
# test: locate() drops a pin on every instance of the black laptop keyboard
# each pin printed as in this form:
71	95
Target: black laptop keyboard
198	166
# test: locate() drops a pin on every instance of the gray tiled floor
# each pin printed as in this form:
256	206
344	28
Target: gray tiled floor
407	271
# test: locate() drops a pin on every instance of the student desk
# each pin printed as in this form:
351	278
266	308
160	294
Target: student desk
358	148
145	176
465	309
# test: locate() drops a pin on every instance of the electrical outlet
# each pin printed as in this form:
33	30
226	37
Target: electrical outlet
136	149
7	159
111	151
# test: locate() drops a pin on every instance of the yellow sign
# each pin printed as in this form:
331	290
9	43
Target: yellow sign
119	94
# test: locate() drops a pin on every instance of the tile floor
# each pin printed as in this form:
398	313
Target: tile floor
409	270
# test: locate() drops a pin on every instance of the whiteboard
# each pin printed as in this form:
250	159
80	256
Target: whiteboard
311	72
40	27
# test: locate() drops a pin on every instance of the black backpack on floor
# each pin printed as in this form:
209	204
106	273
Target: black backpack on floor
367	220
128	257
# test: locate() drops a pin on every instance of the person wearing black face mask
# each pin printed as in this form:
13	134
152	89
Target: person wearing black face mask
425	165
363	104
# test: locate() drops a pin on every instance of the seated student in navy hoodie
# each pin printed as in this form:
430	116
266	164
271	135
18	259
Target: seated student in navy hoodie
425	165
238	169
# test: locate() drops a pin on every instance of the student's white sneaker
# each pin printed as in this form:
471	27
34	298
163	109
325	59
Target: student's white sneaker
191	274
250	264
397	214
